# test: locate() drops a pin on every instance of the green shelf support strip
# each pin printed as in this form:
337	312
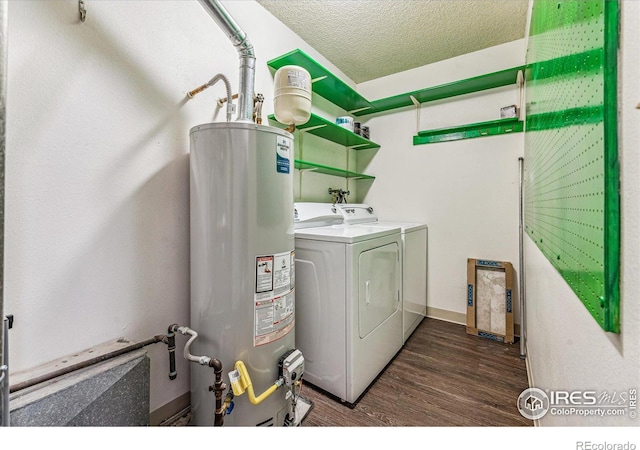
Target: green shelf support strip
326	170
325	129
565	118
474	130
572	191
324	83
461	87
585	63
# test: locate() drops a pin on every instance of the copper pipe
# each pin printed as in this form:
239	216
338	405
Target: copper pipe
210	83
223	100
197	90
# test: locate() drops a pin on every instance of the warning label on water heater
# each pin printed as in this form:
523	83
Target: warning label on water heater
264	274
274	299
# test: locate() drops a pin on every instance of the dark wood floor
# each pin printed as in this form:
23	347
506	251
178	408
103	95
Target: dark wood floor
441	377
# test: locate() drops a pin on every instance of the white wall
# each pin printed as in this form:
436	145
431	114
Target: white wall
566	348
97	182
313	187
467	190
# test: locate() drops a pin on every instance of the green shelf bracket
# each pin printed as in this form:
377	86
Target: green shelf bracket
326	170
474	130
325	129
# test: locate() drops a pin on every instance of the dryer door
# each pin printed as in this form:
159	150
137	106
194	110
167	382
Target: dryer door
378	286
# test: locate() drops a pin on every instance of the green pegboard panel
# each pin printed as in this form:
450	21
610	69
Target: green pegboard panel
571	157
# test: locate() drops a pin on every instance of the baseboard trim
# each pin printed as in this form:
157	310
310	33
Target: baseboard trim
536	422
456	317
168	410
446	315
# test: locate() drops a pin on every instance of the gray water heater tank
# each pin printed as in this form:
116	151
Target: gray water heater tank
242	263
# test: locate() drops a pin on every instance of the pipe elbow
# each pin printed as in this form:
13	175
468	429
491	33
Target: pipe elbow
246	50
247	385
215	364
260	398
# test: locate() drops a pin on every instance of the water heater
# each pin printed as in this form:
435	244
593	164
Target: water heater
242	262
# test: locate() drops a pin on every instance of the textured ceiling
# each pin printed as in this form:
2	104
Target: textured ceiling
368	39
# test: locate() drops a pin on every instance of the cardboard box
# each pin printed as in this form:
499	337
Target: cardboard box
490	299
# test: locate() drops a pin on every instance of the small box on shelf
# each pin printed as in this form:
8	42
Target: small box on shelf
509	111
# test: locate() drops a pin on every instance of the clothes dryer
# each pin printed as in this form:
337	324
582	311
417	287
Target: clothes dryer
414	261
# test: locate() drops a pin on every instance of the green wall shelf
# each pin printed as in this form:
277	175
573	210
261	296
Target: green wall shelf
339	93
461	87
326	170
328	130
325	83
474	130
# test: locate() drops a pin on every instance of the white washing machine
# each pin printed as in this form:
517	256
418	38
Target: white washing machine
312	214
414	261
348	301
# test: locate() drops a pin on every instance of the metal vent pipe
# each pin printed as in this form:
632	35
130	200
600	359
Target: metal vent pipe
523	318
247	58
